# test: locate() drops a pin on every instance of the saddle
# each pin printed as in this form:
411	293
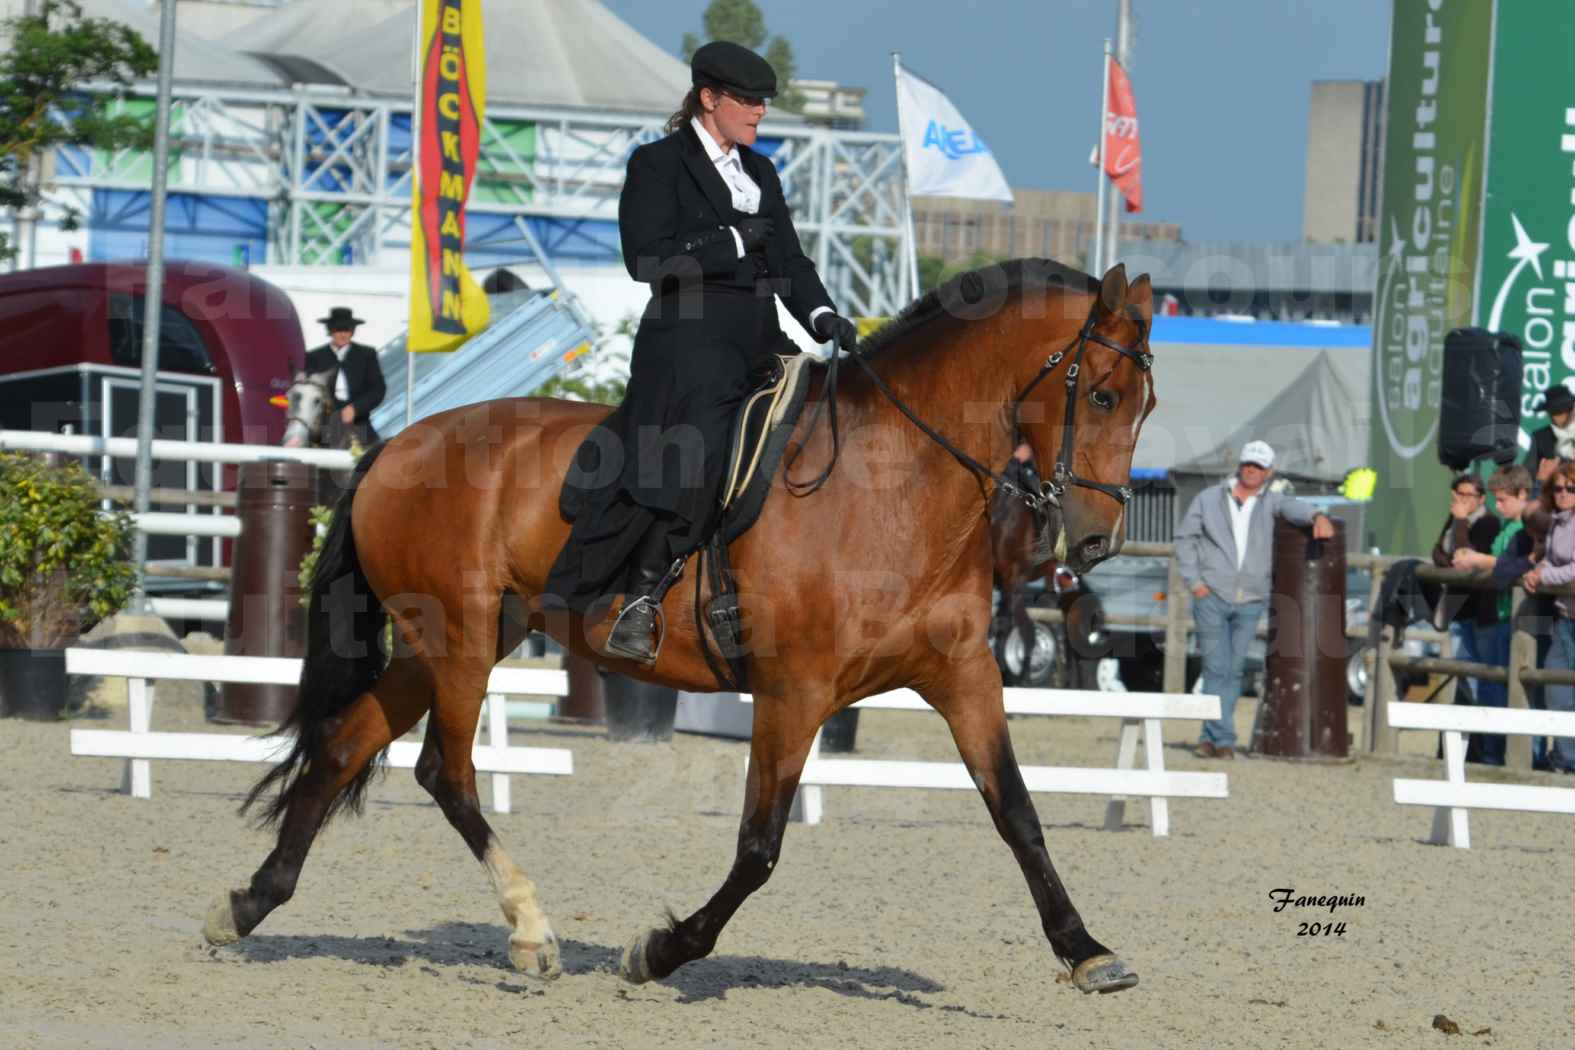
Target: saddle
760	436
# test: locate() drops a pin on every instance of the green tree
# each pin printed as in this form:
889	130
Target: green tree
780	55
741	22
737	20
51	54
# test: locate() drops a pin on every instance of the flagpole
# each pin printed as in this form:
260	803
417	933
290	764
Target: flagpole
415	171
1123	56
1099	176
907	182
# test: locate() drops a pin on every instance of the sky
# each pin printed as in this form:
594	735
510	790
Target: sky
1222	86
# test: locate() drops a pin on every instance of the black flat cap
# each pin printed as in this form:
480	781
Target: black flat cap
733	67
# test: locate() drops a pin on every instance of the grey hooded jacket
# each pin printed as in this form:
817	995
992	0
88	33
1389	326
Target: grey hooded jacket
1206	544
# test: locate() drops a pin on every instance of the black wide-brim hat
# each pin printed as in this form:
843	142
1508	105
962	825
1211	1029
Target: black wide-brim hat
1557	398
733	67
340	318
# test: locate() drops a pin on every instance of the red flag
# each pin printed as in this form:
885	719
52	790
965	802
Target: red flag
1123	150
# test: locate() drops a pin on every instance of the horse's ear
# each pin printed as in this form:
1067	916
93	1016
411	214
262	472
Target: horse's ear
1141	295
1113	289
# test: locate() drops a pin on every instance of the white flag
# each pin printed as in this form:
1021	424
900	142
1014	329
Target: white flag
945	157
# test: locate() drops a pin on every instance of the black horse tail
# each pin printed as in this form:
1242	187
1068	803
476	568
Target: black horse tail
345	656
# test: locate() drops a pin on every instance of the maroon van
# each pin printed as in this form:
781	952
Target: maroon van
71	350
71	358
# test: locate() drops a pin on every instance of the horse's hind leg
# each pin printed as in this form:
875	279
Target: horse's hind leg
447	771
972	705
380	715
778	747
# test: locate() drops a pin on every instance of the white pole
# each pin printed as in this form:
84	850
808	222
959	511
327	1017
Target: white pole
907	182
415	172
1124	56
153	300
1098	247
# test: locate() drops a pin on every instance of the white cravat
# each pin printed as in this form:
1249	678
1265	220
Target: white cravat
341	384
743	189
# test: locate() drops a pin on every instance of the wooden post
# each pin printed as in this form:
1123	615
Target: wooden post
1378	737
1522	656
1177	608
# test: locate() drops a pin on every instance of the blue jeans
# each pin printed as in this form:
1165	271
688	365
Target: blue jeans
1225	630
1561	749
1463	639
1492	644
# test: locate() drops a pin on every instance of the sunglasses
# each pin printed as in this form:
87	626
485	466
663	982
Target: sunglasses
1562	488
747	101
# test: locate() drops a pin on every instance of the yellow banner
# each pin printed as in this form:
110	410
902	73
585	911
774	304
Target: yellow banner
447	306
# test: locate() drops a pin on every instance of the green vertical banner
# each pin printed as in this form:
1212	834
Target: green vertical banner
1528	230
1433	167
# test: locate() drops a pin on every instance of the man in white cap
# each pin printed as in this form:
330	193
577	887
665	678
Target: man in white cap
1224	546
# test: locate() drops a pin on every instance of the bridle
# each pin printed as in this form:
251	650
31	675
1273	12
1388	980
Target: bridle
292	417
1048	497
1062	475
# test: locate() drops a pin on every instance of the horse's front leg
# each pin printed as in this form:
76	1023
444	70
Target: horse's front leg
779	746
970	700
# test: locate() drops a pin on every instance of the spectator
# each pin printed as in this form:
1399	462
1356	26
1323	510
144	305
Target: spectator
1555	441
1468	527
358	379
1509	559
1223	546
1556	569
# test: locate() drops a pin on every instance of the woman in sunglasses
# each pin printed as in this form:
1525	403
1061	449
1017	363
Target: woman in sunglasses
703	221
1558	567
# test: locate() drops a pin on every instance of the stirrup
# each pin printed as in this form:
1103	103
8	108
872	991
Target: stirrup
658	623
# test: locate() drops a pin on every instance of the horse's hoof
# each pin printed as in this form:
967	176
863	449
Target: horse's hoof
537	960
218	929
1103	974
635	965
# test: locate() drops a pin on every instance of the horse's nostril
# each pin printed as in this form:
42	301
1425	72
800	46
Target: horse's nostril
1096	547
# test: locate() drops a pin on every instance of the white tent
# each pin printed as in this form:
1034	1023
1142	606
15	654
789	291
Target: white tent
539	52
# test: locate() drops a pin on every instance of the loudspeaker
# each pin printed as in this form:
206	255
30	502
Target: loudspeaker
1479	416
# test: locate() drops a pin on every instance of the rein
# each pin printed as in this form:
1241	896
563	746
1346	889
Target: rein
1051	491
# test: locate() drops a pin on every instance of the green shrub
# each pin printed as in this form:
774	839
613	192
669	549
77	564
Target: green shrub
64	563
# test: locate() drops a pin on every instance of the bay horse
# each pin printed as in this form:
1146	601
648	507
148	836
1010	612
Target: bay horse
877	579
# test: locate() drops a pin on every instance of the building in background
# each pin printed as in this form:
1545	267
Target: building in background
1051	224
1249	281
829	104
1345	137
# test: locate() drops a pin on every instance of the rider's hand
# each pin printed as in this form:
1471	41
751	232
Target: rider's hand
347	414
754	233
1322	528
833	327
1200	590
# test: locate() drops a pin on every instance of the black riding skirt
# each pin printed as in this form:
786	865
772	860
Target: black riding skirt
658	462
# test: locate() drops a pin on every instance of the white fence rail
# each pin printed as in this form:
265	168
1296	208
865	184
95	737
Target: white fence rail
1141	714
1454	797
140	745
192	451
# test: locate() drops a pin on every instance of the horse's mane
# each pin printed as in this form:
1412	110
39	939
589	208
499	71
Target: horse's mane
966	289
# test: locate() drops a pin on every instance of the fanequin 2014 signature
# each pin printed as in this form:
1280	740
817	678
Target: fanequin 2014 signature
1285	897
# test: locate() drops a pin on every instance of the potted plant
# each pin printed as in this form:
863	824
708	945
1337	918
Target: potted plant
64	566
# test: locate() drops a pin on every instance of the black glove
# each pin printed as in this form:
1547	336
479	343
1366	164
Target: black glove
754	232
832	327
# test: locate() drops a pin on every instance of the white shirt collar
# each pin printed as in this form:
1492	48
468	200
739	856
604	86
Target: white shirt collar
713	150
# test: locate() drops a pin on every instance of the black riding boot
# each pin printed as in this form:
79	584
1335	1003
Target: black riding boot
633	634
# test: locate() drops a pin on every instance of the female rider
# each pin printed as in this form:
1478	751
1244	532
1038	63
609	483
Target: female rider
703	221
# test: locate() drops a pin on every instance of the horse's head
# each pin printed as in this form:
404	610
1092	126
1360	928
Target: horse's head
309	401
1100	414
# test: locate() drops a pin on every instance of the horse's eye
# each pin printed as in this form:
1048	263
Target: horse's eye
1103	399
